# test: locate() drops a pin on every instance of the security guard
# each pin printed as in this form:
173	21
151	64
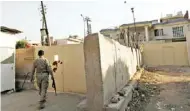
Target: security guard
42	68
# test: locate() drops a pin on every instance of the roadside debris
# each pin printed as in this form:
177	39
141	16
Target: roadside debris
146	88
162	88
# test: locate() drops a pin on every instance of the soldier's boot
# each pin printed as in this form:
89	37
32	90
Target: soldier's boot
42	105
42	101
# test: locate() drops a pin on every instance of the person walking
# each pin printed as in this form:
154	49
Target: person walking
42	68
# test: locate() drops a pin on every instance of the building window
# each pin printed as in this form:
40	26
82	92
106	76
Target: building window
158	32
178	31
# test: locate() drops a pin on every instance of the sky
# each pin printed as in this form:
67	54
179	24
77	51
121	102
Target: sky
63	17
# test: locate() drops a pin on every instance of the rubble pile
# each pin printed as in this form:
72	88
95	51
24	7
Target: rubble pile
146	88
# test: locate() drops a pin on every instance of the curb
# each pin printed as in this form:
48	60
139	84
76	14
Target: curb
128	89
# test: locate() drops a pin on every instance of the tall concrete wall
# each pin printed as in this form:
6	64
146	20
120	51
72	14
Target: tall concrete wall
109	66
174	53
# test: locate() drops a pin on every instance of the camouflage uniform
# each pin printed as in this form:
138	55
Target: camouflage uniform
43	70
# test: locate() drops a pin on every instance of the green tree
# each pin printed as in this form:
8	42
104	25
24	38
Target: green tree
21	44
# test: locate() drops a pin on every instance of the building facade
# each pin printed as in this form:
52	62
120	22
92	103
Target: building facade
167	29
172	30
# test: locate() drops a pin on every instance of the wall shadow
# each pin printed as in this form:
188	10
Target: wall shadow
117	74
117	77
8	60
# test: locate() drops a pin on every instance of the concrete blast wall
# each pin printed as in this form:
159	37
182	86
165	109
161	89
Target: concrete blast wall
109	66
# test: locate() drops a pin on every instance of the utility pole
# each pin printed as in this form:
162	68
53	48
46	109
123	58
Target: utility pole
88	20
129	38
88	25
44	25
43	29
132	10
135	33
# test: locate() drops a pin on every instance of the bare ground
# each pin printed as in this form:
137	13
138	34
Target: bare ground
162	89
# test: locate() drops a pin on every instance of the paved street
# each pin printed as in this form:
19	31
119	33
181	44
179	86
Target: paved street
28	101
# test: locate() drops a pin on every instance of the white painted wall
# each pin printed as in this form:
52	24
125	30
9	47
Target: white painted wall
7	40
7	50
65	41
167	29
118	65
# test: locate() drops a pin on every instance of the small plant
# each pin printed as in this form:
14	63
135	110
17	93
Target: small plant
21	44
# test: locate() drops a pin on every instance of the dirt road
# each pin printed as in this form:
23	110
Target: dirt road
163	89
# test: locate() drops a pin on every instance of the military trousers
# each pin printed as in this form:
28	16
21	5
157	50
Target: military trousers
42	82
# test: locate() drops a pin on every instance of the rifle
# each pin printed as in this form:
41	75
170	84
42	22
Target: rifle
54	85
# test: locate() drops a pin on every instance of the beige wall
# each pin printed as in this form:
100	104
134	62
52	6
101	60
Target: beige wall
70	76
188	44
174	53
24	61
